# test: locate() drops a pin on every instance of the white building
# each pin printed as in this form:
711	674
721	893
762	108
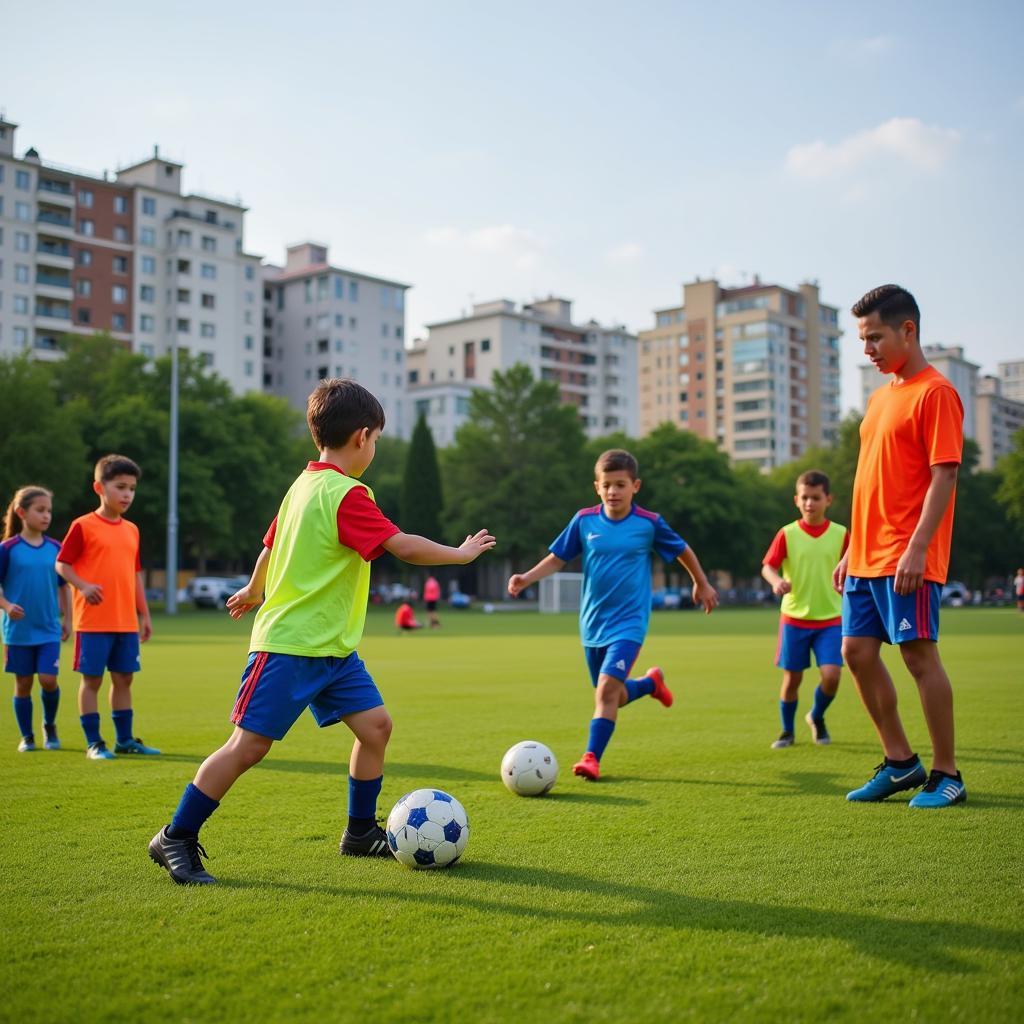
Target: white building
1011	378
999	418
324	321
593	366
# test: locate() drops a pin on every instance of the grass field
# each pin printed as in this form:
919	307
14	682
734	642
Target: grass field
705	878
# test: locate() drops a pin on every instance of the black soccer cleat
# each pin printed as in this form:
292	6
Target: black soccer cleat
372	843
181	857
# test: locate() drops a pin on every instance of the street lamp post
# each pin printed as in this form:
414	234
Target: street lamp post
171	587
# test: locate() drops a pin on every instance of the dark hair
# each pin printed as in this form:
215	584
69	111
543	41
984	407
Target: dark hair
115	465
616	460
23	498
337	408
893	305
815	478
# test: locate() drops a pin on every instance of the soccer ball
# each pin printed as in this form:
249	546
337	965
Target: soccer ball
428	829
529	769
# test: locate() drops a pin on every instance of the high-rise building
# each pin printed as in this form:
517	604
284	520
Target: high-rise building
1011	377
593	366
323	321
131	254
755	369
998	418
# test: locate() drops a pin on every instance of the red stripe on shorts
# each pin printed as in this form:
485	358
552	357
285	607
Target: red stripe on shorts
778	649
247	688
78	652
925	629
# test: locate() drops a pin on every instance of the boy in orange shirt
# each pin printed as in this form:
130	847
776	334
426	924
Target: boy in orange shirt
100	559
901	525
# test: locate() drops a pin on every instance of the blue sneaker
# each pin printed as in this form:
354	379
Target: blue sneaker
941	790
27	745
135	746
99	752
888	780
51	742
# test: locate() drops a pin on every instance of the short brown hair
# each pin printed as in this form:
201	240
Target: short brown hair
815	478
337	408
115	465
617	460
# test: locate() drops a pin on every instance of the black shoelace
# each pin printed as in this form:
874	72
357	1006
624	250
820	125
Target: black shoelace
935	779
195	853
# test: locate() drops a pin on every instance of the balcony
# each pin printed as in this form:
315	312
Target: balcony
53	286
46	346
56	223
205	221
54	255
58	193
54	316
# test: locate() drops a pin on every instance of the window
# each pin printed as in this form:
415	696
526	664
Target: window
147	236
249	273
309	289
119	293
209	244
322	372
147	293
146	324
120	264
384	332
248	341
183	327
339	320
353	291
322	345
21	241
353	322
339	288
120	233
148	206
207	331
248	367
83	288
117	321
21	273
120	204
85	198
147	350
84	316
339	346
148	265
485	343
21	304
184	266
21	337
208	301
208	270
321	287
184	238
183	296
87	228
22	180
206	358
23	211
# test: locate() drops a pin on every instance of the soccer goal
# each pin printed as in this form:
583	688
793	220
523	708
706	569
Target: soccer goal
561	592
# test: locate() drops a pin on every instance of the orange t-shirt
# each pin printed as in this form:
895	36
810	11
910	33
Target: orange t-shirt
908	428
405	617
105	552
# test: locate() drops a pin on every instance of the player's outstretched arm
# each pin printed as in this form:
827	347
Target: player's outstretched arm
545	567
251	595
703	593
416	550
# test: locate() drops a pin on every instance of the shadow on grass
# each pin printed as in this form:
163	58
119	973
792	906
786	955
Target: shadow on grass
985	755
931	946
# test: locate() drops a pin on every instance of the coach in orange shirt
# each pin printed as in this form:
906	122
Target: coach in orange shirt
911	440
100	559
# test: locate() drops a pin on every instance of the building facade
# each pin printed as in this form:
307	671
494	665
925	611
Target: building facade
998	418
130	254
755	369
1011	378
593	366
324	321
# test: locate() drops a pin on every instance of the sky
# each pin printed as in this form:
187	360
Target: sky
599	151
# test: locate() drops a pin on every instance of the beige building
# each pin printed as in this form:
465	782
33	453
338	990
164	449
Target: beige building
998	418
1011	377
755	369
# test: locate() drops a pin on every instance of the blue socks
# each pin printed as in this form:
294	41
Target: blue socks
193	810
821	703
23	714
91	727
362	803
51	700
601	730
642	687
123	725
787	711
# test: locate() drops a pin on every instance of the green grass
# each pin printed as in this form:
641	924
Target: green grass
705	878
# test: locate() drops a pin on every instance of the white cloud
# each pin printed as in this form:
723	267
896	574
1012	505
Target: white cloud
520	245
904	139
624	254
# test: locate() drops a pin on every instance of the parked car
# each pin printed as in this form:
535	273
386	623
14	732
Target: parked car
214	591
459	600
955	594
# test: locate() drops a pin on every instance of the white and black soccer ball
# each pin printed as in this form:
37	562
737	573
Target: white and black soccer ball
529	768
428	828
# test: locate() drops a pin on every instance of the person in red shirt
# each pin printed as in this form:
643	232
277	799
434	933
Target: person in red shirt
431	595
911	441
405	618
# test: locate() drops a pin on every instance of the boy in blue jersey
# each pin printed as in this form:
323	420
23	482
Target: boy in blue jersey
616	539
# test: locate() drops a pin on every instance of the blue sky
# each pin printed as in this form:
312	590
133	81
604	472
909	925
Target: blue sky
601	151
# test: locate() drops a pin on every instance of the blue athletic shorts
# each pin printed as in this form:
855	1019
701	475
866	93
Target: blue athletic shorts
33	659
277	688
797	642
97	652
615	660
872	608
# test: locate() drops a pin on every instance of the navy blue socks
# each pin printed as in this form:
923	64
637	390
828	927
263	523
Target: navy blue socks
821	703
642	687
193	810
91	727
601	730
362	803
51	701
787	712
23	715
123	724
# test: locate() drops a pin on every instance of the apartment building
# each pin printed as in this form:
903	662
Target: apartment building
130	254
998	418
323	321
755	369
1011	377
593	366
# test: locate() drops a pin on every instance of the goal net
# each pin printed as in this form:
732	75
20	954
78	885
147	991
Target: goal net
561	592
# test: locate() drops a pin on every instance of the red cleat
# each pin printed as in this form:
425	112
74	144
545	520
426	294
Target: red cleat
661	691
587	768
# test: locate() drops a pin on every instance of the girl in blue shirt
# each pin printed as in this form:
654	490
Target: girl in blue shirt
33	599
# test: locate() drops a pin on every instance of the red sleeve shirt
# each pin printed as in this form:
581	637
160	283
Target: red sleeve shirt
776	553
361	525
73	547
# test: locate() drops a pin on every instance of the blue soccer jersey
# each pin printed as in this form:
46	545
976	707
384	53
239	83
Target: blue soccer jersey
28	576
616	599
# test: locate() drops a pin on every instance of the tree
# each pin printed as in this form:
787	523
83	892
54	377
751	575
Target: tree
515	466
1011	487
422	500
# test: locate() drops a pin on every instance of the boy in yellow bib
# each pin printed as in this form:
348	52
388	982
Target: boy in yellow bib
313	580
798	566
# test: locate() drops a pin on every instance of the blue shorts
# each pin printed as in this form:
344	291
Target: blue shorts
872	608
33	659
97	652
797	642
615	660
277	688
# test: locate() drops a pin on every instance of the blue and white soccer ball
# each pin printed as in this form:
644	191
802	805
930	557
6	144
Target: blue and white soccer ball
529	768
428	828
